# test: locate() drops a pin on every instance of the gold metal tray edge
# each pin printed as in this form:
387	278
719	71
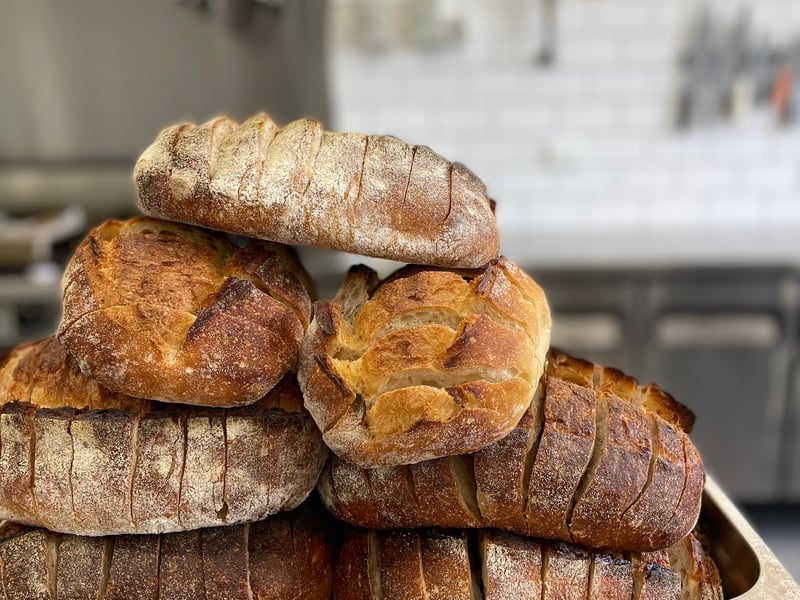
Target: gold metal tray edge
749	569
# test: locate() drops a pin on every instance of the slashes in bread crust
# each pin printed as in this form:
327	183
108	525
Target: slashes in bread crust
427	363
175	313
588	463
77	458
286	556
497	565
365	194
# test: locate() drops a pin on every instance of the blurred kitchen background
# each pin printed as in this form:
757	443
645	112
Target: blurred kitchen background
645	159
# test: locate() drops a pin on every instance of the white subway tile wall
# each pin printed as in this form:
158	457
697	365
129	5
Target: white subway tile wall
589	141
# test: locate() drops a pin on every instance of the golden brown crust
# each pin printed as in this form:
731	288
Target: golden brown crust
427	363
370	195
561	460
283	557
649	397
572	469
174	313
622	465
699	574
157	467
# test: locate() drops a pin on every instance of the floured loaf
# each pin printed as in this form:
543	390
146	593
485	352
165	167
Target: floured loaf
365	194
79	459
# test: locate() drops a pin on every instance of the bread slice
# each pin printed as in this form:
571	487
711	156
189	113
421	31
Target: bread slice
236	562
582	465
138	466
300	185
565	448
174	313
427	363
620	463
498	565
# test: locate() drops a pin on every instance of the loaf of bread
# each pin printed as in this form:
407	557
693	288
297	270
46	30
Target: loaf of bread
583	465
175	313
427	363
369	195
79	459
287	556
494	565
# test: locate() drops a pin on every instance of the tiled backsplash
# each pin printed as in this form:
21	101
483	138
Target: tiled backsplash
590	141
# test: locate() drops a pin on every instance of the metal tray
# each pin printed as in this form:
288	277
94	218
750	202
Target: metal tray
748	568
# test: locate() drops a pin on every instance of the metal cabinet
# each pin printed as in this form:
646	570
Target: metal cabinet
791	471
722	341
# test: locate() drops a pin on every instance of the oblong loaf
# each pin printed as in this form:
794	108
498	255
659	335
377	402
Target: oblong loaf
370	195
426	363
76	458
495	565
583	465
174	313
287	556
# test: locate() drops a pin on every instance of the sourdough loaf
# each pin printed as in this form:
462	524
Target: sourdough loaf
178	314
426	363
583	465
369	195
77	458
496	565
287	556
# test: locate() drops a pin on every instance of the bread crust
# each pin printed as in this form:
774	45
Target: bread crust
157	467
397	564
300	185
571	470
650	397
174	313
427	363
287	556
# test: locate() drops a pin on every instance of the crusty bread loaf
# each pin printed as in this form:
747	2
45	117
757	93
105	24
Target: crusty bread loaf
650	397
78	459
287	556
583	465
369	195
495	565
426	363
178	314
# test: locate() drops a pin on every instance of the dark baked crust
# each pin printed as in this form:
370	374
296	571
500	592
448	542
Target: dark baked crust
141	466
370	195
178	314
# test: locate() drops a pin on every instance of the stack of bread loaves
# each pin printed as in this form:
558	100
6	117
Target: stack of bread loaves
166	441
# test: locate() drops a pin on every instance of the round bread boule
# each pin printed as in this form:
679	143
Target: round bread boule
427	363
175	313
